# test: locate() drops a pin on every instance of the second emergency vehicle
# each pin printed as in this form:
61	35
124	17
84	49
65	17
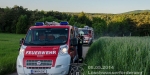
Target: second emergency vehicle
48	49
88	34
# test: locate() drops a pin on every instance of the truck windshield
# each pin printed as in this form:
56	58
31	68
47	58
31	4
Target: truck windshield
46	36
84	32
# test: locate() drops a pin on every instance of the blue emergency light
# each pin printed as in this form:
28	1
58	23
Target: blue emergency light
64	23
39	23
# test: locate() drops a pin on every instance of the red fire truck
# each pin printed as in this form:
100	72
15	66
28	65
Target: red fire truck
48	49
88	34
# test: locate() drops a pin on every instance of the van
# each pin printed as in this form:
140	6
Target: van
47	50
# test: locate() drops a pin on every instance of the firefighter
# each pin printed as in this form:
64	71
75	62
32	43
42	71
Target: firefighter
80	49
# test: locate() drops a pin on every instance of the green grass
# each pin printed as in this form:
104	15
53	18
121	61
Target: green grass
9	44
124	54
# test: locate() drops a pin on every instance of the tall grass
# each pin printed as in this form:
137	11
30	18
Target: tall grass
119	54
9	44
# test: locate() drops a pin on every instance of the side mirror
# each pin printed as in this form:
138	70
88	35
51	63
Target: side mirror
71	49
21	41
74	42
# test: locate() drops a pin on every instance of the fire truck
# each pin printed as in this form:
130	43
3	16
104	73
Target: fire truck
48	49
88	34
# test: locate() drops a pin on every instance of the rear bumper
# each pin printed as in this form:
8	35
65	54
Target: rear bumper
61	67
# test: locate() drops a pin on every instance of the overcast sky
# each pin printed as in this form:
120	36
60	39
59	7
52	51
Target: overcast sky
88	6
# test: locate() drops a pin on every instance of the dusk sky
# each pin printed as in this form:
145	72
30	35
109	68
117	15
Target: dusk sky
88	6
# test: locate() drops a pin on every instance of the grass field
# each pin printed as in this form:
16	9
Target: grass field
119	56
9	44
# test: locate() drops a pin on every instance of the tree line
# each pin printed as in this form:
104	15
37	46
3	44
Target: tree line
18	19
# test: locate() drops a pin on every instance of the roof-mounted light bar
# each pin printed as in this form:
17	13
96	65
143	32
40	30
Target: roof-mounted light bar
51	23
64	23
39	23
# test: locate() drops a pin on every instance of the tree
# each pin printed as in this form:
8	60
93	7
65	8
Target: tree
49	19
100	26
21	26
144	30
72	20
82	18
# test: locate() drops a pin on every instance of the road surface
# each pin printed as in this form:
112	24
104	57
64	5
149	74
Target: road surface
85	49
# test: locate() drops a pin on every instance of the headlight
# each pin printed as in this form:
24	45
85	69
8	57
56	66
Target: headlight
22	49
63	49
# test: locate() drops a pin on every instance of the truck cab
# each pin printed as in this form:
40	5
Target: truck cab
88	34
47	50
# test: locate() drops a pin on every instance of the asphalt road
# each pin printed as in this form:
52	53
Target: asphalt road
85	49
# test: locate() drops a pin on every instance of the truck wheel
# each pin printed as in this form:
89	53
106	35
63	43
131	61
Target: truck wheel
71	61
69	70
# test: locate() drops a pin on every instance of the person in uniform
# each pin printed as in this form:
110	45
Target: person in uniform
80	47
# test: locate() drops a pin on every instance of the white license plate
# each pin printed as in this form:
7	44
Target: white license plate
36	71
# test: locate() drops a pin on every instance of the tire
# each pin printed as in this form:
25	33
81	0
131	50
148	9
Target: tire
71	61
